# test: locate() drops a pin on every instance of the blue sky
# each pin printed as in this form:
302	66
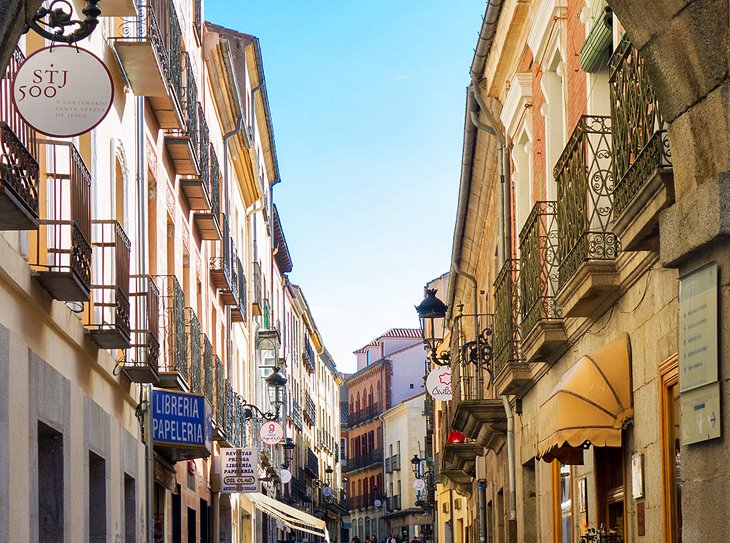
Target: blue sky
367	102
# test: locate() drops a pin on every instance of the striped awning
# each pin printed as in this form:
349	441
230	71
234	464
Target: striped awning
288	515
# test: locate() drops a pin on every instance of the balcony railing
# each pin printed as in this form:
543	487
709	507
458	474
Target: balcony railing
388	465
153	39
192	339
141	360
308	356
392	503
539	266
61	254
296	414
370	458
239	309
208	376
19	170
183	143
312	463
584	174
109	312
230	413
256	308
640	142
395	462
507	304
174	363
219	408
310	412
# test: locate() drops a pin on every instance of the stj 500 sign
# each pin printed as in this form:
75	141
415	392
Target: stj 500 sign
63	91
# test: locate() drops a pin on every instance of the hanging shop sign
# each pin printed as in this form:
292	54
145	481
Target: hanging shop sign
438	383
419	484
181	424
238	470
271	432
63	91
284	476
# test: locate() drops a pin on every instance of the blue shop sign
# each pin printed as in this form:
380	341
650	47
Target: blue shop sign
181	420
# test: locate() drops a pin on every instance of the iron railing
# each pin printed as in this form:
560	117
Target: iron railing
198	18
392	503
395	462
215	183
257	278
175	50
584	174
110	281
191	109
219	409
202	149
239	311
172	321
208	377
308	355
388	465
312	463
296	414
63	241
230	412
640	142
19	152
370	458
539	267
144	353
192	339
472	356
310	412
507	305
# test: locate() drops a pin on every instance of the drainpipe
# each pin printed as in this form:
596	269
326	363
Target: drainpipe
482	504
511	455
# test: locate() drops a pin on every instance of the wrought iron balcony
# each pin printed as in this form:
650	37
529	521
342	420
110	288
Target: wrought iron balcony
61	252
256	307
392	503
308	356
312	463
183	144
174	362
219	407
192	338
395	462
149	50
388	466
198	18
141	360
108	316
541	326
223	269
208	376
19	171
587	248
373	457
230	413
207	217
642	158
296	414
238	311
584	174
310	412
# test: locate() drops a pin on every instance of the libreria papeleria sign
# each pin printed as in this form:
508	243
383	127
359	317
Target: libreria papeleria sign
180	419
63	91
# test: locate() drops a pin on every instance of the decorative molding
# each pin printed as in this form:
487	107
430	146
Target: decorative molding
546	13
151	157
519	96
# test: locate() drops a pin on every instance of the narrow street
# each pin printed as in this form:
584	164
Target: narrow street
510	220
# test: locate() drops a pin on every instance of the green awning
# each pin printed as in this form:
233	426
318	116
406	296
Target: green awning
594	53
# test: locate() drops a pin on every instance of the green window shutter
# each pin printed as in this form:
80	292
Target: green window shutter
594	53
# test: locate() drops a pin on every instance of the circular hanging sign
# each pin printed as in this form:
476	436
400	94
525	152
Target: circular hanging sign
327	491
271	432
438	383
284	476
377	503
419	484
63	91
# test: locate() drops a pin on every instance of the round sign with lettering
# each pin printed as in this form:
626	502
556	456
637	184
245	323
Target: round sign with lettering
326	491
285	476
419	484
63	91
438	383
377	503
271	432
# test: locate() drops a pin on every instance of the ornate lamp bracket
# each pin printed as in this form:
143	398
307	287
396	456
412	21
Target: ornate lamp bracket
59	21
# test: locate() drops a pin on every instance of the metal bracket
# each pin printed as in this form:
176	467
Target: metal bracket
59	14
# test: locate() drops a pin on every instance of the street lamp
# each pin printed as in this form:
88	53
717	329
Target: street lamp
288	447
432	314
275	383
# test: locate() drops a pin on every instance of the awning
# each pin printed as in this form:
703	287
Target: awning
294	518
589	404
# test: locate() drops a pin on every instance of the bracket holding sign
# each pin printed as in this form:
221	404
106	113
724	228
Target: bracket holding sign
53	21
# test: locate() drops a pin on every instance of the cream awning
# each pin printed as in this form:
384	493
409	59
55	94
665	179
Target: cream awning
589	404
294	518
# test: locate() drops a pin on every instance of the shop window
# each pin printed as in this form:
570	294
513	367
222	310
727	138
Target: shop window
671	459
529	501
610	487
97	499
563	504
130	509
176	517
50	484
499	521
192	525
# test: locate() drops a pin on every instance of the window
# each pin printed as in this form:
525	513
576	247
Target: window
367	358
563	503
97	498
130	510
50	484
671	460
411	387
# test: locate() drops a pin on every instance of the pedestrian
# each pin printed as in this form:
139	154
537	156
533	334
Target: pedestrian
392	539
